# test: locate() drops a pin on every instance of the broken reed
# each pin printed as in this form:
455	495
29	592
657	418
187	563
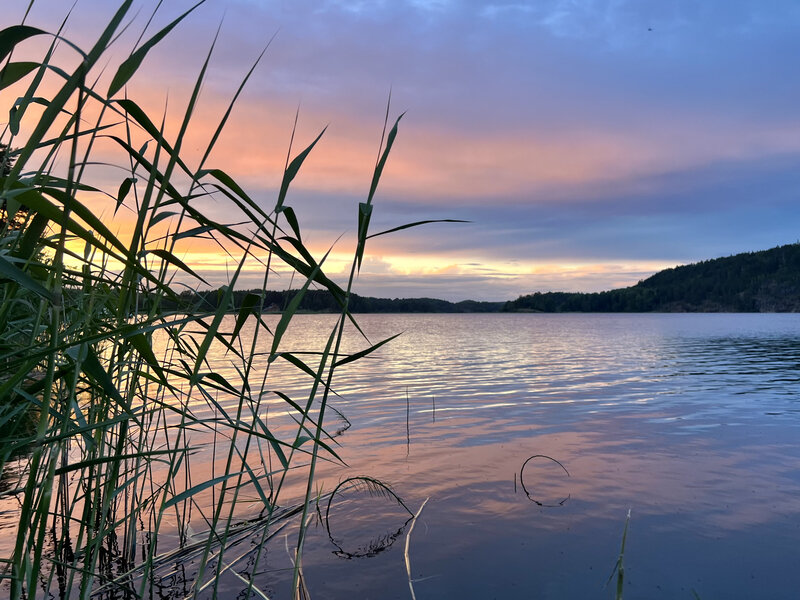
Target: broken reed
98	381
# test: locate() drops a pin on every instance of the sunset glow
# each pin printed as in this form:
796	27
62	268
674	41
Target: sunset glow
588	144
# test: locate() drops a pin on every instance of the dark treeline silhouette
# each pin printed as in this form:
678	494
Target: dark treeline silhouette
323	301
765	281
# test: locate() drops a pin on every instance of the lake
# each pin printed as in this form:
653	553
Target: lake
532	435
691	421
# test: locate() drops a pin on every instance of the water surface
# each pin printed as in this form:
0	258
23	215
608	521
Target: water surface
690	421
531	436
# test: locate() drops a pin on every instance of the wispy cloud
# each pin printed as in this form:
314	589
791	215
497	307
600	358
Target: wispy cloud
627	134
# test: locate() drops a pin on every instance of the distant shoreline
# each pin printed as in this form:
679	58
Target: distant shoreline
767	281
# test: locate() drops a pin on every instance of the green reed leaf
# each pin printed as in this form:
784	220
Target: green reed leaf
196	489
124	189
365	352
193	232
291	218
127	69
93	462
174	260
133	110
376	176
416	224
292	170
249	306
11	36
140	342
289	357
92	367
8	269
292	307
222	382
15	71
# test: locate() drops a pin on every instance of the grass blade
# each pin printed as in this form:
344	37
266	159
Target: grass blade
127	69
11	36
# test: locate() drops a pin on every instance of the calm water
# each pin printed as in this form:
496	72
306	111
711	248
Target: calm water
690	421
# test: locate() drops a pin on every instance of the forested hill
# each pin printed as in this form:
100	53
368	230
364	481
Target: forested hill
765	281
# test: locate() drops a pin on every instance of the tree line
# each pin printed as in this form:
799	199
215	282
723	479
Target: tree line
764	281
322	301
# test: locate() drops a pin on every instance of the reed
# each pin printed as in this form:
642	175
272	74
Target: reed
101	386
619	566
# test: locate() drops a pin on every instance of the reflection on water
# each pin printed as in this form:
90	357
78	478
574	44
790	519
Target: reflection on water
689	420
533	435
545	481
358	513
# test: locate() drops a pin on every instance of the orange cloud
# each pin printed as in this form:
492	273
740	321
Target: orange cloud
439	163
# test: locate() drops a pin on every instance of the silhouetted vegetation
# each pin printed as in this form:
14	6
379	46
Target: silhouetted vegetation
98	397
20	212
323	301
765	281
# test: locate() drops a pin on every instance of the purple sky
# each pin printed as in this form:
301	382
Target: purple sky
590	142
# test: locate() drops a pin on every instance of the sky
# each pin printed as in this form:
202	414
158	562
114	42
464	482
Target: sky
589	143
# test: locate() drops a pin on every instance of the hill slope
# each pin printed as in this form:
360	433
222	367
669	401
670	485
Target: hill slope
765	281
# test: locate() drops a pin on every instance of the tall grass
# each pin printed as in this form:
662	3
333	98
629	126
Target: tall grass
100	384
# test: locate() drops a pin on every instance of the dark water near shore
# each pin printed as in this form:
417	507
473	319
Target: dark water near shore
691	421
532	436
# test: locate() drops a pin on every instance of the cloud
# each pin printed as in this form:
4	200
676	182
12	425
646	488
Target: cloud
500	287
629	134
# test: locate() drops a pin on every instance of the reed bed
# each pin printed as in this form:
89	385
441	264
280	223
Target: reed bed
104	368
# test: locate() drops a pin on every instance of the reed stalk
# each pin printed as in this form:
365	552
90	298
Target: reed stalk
105	370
